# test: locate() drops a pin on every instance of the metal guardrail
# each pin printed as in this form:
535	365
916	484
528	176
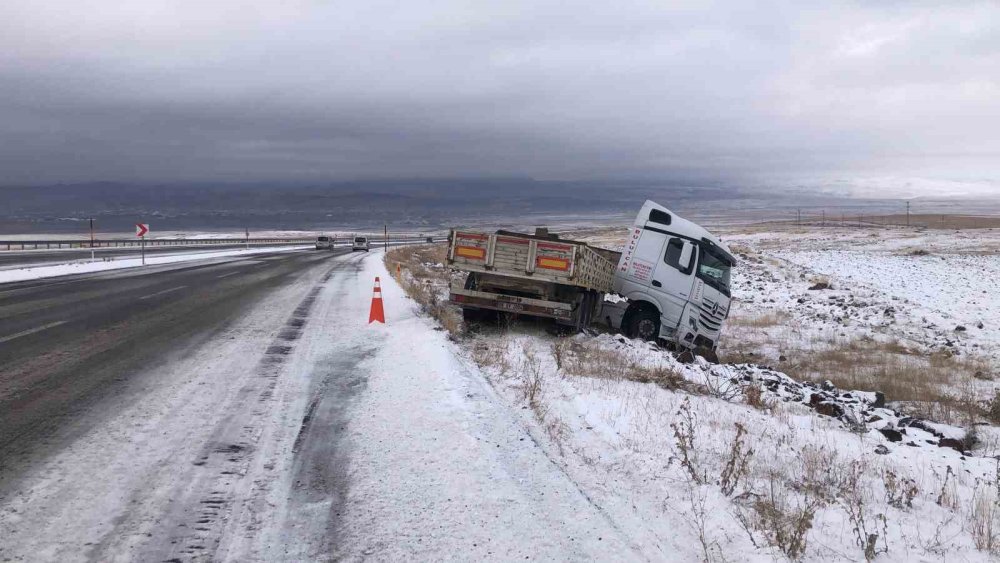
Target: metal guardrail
126	243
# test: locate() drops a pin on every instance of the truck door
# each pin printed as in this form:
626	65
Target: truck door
642	255
673	278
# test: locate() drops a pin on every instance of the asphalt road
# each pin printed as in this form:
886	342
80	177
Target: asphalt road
16	258
68	343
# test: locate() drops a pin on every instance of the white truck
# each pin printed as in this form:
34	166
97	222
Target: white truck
670	282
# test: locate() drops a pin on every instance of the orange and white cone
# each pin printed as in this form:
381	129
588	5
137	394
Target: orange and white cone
377	313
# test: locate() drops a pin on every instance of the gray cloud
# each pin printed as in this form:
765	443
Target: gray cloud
230	90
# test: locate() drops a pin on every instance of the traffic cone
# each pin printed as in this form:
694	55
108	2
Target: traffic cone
398	273
377	312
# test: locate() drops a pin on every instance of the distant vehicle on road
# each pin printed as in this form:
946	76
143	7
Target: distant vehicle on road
670	283
360	243
324	242
430	239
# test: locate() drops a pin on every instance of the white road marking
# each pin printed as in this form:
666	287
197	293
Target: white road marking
31	331
151	295
226	275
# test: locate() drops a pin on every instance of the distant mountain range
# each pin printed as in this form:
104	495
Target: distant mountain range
415	203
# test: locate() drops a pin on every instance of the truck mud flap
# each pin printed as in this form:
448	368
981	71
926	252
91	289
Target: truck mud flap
511	304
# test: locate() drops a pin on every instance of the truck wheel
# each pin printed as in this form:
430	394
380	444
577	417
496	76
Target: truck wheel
644	324
471	316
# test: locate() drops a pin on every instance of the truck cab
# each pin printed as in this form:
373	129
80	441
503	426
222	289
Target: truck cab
675	276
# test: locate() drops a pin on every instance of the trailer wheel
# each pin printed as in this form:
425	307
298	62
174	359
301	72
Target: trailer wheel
644	324
473	316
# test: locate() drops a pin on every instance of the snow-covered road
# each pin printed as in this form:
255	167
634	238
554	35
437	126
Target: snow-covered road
299	432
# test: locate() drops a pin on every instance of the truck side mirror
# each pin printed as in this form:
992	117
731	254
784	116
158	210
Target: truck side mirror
687	252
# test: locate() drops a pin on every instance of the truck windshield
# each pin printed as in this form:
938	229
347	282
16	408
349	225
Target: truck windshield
714	268
324	239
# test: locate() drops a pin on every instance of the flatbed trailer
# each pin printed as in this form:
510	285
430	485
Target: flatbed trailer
539	275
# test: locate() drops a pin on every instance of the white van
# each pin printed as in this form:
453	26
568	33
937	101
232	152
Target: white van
324	242
360	243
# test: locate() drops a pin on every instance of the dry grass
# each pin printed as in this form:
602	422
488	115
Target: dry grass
984	522
937	386
754	396
426	282
758	322
930	384
779	517
591	361
492	353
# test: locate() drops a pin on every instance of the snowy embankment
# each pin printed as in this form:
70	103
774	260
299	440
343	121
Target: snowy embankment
85	266
438	467
739	461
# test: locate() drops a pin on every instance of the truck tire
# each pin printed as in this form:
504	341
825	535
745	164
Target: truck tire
587	307
644	324
473	316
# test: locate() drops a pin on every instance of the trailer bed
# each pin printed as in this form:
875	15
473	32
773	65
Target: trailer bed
529	257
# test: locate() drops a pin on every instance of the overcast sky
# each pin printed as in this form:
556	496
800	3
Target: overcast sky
741	92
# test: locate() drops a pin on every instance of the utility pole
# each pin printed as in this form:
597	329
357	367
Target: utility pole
823	223
247	229
91	239
907	214
385	237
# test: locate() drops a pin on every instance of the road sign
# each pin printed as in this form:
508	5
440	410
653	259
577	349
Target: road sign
140	231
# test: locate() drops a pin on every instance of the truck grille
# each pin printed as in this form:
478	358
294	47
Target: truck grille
711	317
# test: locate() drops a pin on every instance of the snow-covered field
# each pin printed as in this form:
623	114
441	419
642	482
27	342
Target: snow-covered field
741	461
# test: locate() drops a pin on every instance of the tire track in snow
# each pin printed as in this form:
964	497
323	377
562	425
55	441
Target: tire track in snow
202	507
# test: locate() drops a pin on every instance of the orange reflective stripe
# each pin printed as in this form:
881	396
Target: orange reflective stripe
470	252
552	263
